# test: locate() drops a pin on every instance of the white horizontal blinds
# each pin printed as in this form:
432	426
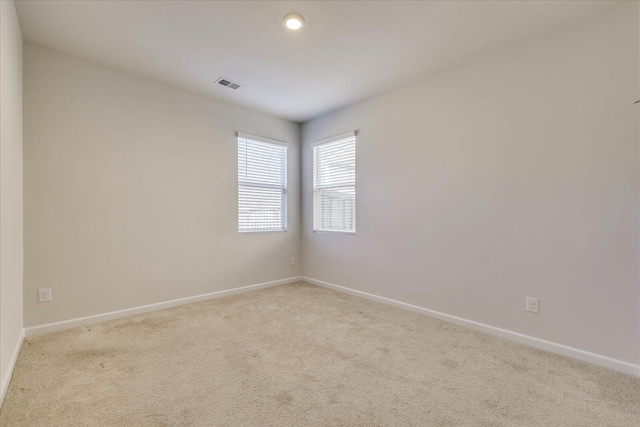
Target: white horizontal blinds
262	185
334	185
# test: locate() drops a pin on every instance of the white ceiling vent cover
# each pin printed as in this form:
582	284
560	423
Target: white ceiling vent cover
228	83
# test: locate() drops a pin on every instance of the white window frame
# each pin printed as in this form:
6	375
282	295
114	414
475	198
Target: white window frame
315	189
251	184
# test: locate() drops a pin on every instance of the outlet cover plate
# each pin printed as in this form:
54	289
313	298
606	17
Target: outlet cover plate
44	295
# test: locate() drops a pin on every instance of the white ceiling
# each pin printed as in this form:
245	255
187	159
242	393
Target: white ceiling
347	51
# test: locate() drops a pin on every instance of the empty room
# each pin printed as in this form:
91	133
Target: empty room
319	213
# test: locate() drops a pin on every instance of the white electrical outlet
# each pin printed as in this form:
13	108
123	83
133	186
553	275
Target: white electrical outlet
532	304
293	260
44	295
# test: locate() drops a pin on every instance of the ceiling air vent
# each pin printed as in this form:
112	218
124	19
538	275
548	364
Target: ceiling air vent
228	83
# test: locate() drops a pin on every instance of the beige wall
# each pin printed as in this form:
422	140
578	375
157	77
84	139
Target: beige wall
513	176
10	186
131	191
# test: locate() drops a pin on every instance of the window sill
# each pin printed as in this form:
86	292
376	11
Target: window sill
348	233
261	231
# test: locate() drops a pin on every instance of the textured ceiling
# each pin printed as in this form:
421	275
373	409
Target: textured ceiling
347	51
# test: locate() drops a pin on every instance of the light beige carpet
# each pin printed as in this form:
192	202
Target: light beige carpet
305	356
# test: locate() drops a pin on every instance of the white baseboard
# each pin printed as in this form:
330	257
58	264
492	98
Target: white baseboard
98	318
4	385
575	353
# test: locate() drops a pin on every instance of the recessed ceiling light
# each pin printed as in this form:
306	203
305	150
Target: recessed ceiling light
293	21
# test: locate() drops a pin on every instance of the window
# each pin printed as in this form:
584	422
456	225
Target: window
262	184
334	184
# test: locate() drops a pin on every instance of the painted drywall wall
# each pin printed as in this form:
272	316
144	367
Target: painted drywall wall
10	187
512	176
131	191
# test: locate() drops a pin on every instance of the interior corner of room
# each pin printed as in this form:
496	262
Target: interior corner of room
408	203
